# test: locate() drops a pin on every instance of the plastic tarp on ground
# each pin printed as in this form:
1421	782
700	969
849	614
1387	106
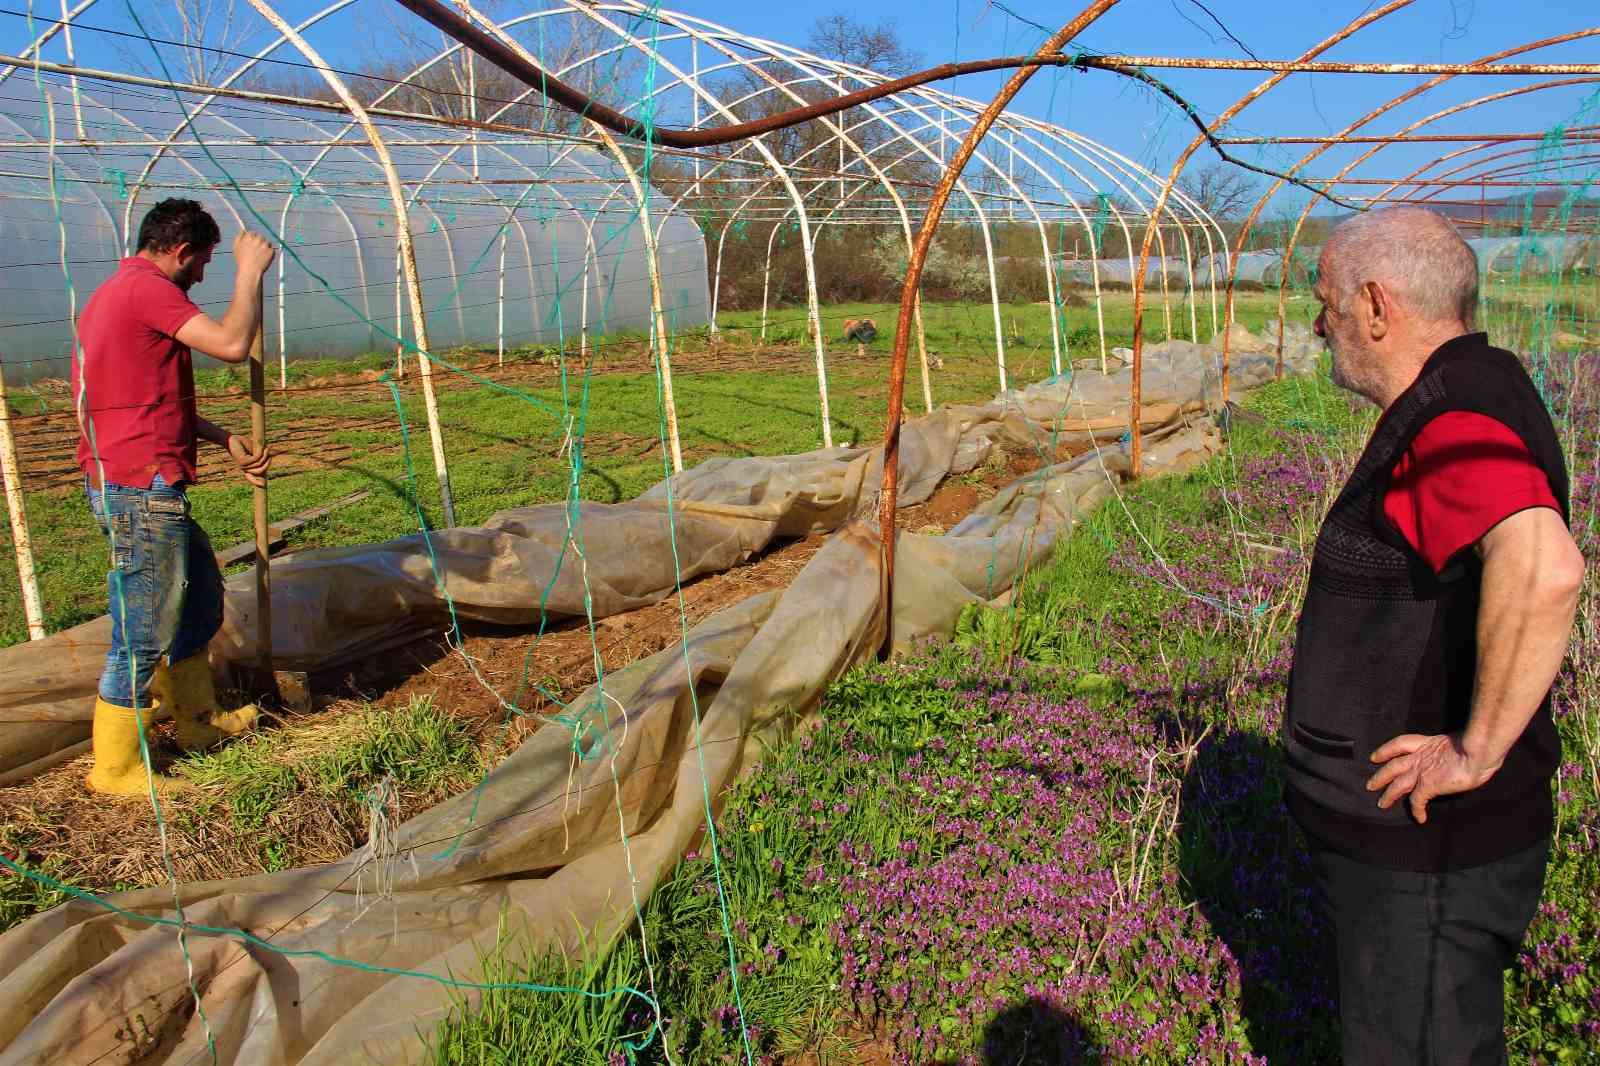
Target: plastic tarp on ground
536	851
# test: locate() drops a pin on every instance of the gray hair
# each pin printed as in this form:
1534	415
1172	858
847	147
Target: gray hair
1414	253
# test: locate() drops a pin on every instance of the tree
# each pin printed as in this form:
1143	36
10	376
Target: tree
197	39
878	48
1222	191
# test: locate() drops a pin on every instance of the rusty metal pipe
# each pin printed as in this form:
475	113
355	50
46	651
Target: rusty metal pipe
511	60
1576	133
1325	66
913	281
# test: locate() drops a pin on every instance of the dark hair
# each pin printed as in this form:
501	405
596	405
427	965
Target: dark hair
174	222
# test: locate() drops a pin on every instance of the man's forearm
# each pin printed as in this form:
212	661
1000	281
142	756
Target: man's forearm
1528	599
211	432
243	316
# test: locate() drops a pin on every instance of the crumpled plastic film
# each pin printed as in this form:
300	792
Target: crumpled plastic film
541	855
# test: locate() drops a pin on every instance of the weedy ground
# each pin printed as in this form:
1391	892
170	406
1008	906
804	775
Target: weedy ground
279	798
1057	836
1054	837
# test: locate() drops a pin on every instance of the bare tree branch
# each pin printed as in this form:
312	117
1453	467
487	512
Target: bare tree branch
1223	191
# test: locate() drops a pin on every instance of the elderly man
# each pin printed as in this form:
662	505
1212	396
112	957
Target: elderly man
1443	586
134	388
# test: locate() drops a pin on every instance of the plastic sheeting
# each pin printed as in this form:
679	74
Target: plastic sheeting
536	852
573	259
1263	267
1120	271
1532	253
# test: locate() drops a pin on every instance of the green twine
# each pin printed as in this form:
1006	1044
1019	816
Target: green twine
230	933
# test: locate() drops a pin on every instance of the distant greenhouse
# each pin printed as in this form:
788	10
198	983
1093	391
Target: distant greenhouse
1261	267
1533	254
1529	254
514	243
1120	271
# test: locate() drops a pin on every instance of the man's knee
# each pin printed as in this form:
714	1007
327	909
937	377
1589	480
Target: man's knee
203	599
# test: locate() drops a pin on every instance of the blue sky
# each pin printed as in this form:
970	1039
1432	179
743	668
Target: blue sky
1108	108
1103	107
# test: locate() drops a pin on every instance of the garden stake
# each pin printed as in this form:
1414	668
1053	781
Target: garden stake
289	688
258	438
17	508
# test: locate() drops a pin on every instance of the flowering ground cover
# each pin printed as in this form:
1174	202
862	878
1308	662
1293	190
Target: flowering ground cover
1058	836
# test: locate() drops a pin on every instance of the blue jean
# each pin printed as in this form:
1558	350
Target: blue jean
165	590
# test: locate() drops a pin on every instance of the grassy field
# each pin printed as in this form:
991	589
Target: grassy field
1057	837
968	328
505	445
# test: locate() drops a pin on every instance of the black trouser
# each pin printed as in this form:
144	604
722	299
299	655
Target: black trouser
1421	956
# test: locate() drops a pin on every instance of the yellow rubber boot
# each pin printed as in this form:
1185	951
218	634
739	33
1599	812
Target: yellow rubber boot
201	723
119	769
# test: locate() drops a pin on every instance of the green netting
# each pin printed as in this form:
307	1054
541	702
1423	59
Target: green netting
1542	304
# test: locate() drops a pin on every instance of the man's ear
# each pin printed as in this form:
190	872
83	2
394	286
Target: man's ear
1378	306
182	250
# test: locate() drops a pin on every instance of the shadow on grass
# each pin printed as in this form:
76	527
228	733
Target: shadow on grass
1245	864
1034	1032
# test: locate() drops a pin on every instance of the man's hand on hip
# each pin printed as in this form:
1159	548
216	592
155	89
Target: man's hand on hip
253	464
1425	767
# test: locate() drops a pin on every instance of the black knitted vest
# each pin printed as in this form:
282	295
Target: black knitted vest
1386	647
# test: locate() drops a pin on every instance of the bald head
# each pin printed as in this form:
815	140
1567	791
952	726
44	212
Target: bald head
1415	254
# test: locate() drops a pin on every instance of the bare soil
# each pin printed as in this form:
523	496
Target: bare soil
54	823
47	443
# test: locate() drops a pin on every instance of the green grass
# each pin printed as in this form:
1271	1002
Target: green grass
419	748
584	1012
504	451
1082	623
270	801
23	897
968	328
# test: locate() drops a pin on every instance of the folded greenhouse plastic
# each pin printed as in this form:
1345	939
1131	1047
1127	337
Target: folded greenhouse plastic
339	970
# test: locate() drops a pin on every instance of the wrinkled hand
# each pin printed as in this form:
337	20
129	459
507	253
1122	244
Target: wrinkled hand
252	464
1425	767
253	253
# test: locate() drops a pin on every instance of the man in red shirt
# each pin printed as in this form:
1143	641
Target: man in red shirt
1419	740
133	386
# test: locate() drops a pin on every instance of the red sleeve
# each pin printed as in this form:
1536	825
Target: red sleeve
1464	474
161	305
